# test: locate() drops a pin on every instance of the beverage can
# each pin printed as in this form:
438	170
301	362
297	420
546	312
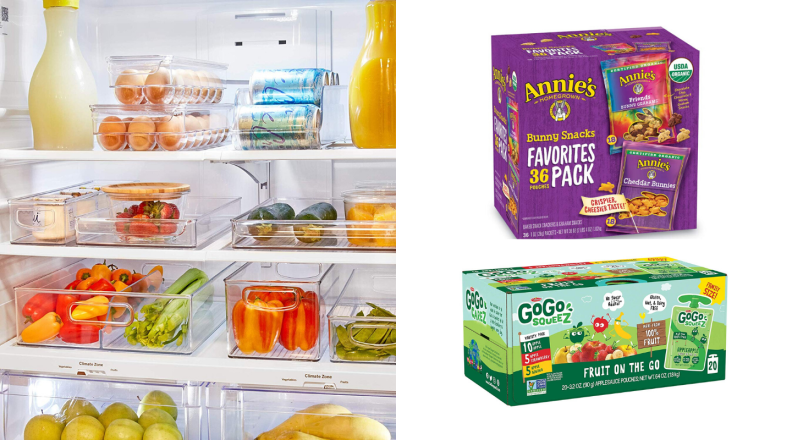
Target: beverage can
279	127
288	86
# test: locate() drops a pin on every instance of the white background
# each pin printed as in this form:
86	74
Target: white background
449	222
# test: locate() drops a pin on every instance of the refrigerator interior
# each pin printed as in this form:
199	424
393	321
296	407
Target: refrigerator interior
246	35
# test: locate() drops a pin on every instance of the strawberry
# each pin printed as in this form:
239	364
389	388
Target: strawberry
123	215
176	213
168	228
576	356
166	211
122	227
132	210
142	207
589	350
143	228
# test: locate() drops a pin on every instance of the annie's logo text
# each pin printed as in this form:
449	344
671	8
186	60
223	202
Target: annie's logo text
579	87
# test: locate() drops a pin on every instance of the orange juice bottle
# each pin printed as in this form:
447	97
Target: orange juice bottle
372	89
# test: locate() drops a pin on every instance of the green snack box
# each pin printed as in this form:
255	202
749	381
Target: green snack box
541	333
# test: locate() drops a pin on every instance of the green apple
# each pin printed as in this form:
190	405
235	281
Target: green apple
158	399
117	411
124	429
43	427
162	431
83	428
75	407
155	415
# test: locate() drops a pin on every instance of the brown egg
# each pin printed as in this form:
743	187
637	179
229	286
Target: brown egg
115	133
193	126
203	80
141	133
129	88
217	84
127	120
156	94
170	133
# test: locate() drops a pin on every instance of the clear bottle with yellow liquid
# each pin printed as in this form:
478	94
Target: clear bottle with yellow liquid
62	87
372	89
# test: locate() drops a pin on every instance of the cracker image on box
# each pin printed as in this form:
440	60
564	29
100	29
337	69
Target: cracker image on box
541	333
565	108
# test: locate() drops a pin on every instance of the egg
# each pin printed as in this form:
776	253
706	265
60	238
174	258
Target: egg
170	133
141	133
129	88
203	120
115	133
217	123
215	81
192	126
192	87
203	79
158	86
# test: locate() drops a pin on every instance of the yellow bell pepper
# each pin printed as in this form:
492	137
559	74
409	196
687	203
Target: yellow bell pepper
45	328
89	311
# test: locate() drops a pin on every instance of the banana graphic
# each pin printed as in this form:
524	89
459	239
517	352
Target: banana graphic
618	329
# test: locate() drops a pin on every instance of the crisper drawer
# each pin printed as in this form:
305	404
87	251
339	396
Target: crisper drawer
363	320
277	310
173	308
237	413
91	408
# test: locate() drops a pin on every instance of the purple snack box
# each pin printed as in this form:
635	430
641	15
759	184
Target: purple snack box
553	150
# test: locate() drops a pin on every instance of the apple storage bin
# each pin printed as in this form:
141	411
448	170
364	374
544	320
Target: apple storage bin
331	235
168	127
292	329
354	337
202	219
240	412
203	310
50	217
166	79
25	396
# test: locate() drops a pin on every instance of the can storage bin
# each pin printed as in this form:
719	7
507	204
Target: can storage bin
370	337
28	396
202	218
168	127
50	217
177	323
366	235
240	412
166	79
277	310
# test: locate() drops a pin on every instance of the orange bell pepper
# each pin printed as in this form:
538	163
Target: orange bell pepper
122	275
83	274
301	324
256	328
44	329
86	283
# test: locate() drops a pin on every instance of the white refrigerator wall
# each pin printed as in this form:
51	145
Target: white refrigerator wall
134	27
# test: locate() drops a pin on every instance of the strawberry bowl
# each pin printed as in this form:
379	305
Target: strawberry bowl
147	211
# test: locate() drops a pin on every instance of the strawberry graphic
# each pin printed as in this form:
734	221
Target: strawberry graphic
588	353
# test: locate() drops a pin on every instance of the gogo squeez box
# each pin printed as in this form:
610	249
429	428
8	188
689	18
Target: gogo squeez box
542	333
596	132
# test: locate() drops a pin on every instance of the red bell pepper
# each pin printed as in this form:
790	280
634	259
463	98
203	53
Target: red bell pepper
301	325
102	285
79	333
73	285
38	306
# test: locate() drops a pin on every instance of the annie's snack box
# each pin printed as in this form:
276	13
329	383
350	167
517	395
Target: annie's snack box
595	132
541	333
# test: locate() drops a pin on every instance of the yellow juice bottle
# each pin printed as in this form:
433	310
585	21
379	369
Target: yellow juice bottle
372	89
62	86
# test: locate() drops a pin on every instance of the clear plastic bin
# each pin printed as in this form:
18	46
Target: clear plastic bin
26	396
238	412
50	217
368	338
163	127
376	205
165	79
202	218
312	234
277	311
203	310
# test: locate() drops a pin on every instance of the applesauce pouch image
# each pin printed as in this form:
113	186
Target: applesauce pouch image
615	48
639	99
688	334
649	180
653	46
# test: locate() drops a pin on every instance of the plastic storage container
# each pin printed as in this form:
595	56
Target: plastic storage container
26	396
203	310
165	79
201	219
142	207
376	205
367	235
162	127
50	217
236	412
371	337
277	311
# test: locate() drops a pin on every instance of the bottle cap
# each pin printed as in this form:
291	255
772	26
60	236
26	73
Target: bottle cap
63	3
695	300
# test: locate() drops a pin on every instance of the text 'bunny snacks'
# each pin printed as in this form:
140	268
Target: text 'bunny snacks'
566	104
541	333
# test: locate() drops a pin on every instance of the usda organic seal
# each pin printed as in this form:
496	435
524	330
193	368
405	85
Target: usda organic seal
681	70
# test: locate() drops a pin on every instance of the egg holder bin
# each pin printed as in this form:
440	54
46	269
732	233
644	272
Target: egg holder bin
50	217
203	309
327	235
165	79
167	127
